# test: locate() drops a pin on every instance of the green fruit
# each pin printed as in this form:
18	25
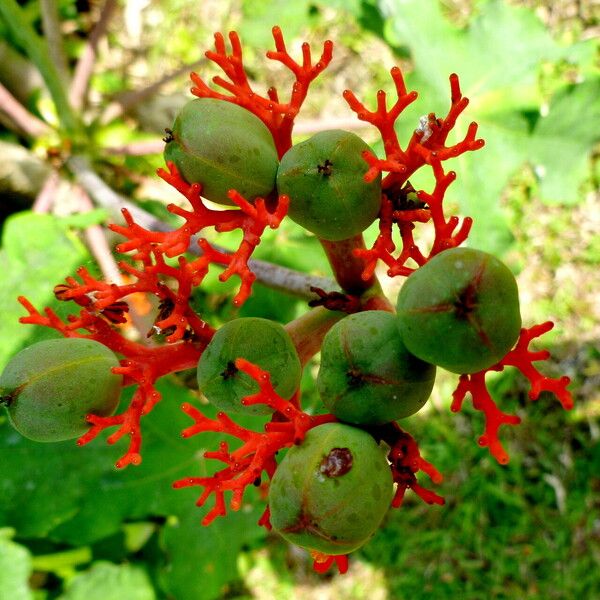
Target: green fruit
331	493
323	177
367	376
460	310
223	146
50	387
263	343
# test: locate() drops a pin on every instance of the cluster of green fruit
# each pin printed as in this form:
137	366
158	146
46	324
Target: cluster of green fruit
225	147
460	312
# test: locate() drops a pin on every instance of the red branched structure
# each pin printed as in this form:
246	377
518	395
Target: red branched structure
426	147
105	308
522	358
276	115
246	464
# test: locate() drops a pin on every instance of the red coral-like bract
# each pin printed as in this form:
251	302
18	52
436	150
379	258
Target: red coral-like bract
276	115
246	464
427	146
522	358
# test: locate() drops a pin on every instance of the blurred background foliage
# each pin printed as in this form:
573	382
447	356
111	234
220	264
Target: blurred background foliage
72	527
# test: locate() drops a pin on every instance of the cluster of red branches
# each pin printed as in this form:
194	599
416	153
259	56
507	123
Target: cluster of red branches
104	307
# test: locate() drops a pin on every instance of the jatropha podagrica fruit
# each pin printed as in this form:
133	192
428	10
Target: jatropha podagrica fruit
367	376
324	179
223	147
331	492
458	309
50	387
260	341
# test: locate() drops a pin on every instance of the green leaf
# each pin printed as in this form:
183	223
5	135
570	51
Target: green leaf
94	499
563	140
85	219
106	581
15	568
205	558
37	253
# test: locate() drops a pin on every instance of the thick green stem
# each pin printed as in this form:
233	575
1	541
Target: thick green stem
307	332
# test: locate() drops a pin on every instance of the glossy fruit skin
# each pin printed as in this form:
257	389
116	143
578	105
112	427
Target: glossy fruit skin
323	177
460	310
367	375
52	385
223	146
263	343
331	493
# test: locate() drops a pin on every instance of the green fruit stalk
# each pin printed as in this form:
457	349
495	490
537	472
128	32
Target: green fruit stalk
51	386
331	493
460	310
323	178
223	146
367	376
263	343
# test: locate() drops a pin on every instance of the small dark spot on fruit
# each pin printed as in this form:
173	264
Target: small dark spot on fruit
256	482
230	371
325	169
338	462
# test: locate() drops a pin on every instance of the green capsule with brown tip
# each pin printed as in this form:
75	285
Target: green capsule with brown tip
367	375
51	386
460	310
331	492
223	147
324	179
260	341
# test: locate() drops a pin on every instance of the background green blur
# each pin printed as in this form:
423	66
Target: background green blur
73	527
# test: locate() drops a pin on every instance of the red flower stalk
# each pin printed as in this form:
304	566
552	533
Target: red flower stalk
141	366
401	205
246	464
323	562
276	115
522	358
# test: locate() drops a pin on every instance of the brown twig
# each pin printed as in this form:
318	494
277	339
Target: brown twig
274	276
129	99
85	64
45	199
23	120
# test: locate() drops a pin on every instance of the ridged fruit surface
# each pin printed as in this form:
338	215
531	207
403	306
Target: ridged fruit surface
331	493
460	310
262	342
323	176
223	146
367	375
51	386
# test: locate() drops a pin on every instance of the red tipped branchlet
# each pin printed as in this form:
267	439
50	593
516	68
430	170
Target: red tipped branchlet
256	455
278	116
401	204
522	358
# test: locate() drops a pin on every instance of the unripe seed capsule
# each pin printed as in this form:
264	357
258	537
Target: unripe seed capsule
331	493
223	147
460	310
51	386
367	375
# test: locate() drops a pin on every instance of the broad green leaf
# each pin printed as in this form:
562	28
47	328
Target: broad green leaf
74	495
204	559
37	253
106	581
563	139
15	569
